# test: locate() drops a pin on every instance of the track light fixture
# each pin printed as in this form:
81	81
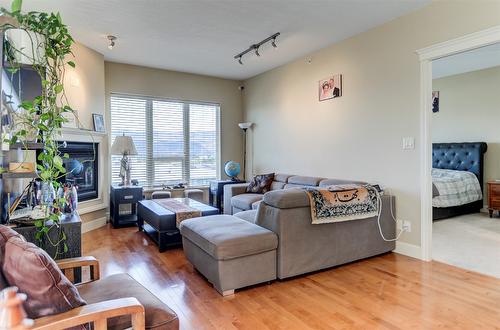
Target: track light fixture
111	40
256	50
255	47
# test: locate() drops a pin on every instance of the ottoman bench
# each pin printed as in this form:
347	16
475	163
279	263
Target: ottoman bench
230	252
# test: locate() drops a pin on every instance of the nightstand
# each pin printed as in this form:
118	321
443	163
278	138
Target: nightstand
124	195
493	196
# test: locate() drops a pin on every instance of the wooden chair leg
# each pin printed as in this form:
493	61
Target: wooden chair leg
101	324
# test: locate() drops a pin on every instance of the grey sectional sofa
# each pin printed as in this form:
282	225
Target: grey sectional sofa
225	247
236	200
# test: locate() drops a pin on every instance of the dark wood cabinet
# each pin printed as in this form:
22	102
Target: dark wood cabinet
124	195
216	192
493	197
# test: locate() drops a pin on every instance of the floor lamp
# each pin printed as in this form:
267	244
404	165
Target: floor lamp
245	127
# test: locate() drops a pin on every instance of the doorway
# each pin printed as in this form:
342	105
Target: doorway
427	56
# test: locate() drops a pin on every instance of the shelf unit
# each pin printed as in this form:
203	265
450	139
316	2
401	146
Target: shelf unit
15	175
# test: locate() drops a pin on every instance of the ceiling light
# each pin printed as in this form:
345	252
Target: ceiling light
111	40
257	50
255	47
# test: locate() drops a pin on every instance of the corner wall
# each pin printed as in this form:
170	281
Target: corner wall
359	135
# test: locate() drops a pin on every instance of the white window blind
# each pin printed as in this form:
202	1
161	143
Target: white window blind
176	141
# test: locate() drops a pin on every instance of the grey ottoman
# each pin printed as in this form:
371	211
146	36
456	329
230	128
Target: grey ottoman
230	252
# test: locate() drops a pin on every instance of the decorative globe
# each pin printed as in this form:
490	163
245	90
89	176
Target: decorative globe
74	167
232	169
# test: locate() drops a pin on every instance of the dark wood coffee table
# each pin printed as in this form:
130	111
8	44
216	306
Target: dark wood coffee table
159	223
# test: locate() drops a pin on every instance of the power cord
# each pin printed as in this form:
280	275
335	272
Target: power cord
379	201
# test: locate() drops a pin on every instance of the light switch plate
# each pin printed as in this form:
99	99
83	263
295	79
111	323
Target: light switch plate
408	143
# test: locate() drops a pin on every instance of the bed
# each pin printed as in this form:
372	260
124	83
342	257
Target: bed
460	164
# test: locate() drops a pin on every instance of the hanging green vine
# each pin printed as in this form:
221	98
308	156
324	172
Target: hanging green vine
51	46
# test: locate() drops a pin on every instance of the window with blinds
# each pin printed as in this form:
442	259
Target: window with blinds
176	141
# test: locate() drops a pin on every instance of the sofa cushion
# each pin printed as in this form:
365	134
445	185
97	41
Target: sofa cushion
255	205
227	237
304	180
245	201
158	314
260	184
249	215
275	185
34	272
287	198
279	177
292	185
332	182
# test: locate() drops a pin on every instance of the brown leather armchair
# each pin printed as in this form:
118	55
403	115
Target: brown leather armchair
113	302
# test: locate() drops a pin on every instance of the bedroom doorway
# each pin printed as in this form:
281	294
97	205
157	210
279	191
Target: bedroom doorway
461	152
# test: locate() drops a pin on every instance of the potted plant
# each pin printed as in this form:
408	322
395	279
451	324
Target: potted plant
48	50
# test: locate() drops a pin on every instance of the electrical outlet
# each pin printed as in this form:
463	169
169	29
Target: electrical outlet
407	226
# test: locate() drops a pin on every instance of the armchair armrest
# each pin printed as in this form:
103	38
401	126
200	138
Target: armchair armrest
69	265
97	313
231	190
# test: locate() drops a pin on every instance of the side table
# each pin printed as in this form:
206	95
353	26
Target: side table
493	197
124	195
216	192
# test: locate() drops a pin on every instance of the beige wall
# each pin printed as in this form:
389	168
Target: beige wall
130	79
84	85
469	111
359	135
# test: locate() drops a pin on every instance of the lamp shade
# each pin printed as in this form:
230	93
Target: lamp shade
123	145
245	126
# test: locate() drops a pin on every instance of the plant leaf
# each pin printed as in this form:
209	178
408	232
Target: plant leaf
71	64
58	89
16	6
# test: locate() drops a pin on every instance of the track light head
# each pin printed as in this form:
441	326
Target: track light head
111	40
257	50
240	61
273	42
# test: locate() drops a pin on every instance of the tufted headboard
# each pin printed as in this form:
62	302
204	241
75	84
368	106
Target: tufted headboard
467	156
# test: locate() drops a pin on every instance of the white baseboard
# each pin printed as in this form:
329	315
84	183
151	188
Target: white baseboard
409	250
94	224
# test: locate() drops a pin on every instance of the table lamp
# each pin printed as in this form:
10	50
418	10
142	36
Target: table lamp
124	145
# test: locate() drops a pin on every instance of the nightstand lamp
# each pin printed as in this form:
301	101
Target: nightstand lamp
124	146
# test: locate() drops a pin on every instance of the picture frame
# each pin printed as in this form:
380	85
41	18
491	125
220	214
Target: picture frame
72	119
435	101
330	87
98	123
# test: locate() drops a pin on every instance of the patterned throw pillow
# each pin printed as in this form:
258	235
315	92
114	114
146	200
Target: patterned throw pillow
260	184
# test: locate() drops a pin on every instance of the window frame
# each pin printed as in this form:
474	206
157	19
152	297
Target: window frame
185	159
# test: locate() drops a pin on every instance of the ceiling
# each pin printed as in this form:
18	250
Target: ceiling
473	60
202	36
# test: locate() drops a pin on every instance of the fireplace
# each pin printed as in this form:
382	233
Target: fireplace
82	168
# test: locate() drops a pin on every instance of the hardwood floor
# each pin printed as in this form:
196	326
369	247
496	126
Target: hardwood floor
387	292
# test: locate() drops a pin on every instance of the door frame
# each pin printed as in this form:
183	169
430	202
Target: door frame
426	56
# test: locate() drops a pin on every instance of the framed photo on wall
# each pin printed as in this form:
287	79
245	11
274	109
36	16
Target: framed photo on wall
435	101
330	87
98	122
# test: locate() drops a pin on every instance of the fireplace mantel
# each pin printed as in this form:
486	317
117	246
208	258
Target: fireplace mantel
81	135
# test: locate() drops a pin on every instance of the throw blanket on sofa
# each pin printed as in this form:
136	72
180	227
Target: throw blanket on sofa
182	210
342	203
